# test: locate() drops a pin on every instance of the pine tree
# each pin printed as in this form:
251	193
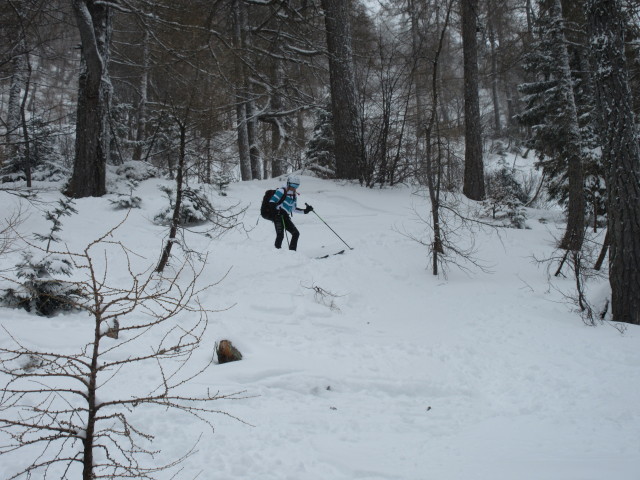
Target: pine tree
553	115
473	164
621	152
319	153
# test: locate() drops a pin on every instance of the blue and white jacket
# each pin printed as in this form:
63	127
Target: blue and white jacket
289	204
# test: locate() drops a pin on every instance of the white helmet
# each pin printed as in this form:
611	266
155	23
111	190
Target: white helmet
293	181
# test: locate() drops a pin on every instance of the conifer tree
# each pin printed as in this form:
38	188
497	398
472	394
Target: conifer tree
621	152
553	114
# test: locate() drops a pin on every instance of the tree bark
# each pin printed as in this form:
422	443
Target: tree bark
18	85
349	151
244	146
255	156
497	124
419	79
175	218
574	233
141	127
621	155
92	386
473	165
94	101
277	127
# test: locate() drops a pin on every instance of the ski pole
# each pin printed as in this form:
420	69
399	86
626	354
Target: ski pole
284	229
350	248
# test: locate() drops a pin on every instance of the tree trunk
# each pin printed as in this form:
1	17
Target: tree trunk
349	151
277	139
18	85
92	385
419	80
473	164
244	147
25	128
94	100
20	72
252	135
497	124
621	155
175	219
141	127
574	234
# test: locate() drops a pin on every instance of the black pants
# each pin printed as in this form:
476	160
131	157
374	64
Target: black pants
283	222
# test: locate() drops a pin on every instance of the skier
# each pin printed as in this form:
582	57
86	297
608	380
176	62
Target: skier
284	209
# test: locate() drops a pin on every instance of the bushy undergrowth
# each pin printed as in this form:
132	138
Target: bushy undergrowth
39	290
137	170
195	207
127	201
505	198
38	286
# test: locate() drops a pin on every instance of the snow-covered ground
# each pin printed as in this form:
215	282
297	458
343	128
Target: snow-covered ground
366	366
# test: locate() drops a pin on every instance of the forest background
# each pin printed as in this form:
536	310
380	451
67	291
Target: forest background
377	94
380	92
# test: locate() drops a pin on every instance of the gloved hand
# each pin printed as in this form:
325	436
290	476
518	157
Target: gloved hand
308	209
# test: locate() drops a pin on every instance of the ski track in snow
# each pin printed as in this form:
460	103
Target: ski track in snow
393	373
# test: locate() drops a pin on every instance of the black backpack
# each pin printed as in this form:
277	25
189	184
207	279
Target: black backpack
267	209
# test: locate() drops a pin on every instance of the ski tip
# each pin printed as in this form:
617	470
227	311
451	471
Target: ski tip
331	254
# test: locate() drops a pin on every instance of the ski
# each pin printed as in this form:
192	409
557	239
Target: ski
331	254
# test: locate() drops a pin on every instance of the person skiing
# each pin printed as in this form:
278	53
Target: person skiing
284	209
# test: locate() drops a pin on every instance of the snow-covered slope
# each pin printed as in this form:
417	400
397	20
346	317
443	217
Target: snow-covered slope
364	365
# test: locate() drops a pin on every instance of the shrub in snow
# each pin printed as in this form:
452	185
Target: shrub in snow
40	292
137	170
38	289
195	207
221	180
44	156
64	209
126	201
595	193
505	198
48	171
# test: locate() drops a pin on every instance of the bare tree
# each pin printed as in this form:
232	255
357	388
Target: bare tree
433	152
180	174
49	404
8	226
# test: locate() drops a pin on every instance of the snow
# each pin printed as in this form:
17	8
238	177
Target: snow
392	374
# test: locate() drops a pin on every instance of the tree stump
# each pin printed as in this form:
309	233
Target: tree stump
227	352
113	330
